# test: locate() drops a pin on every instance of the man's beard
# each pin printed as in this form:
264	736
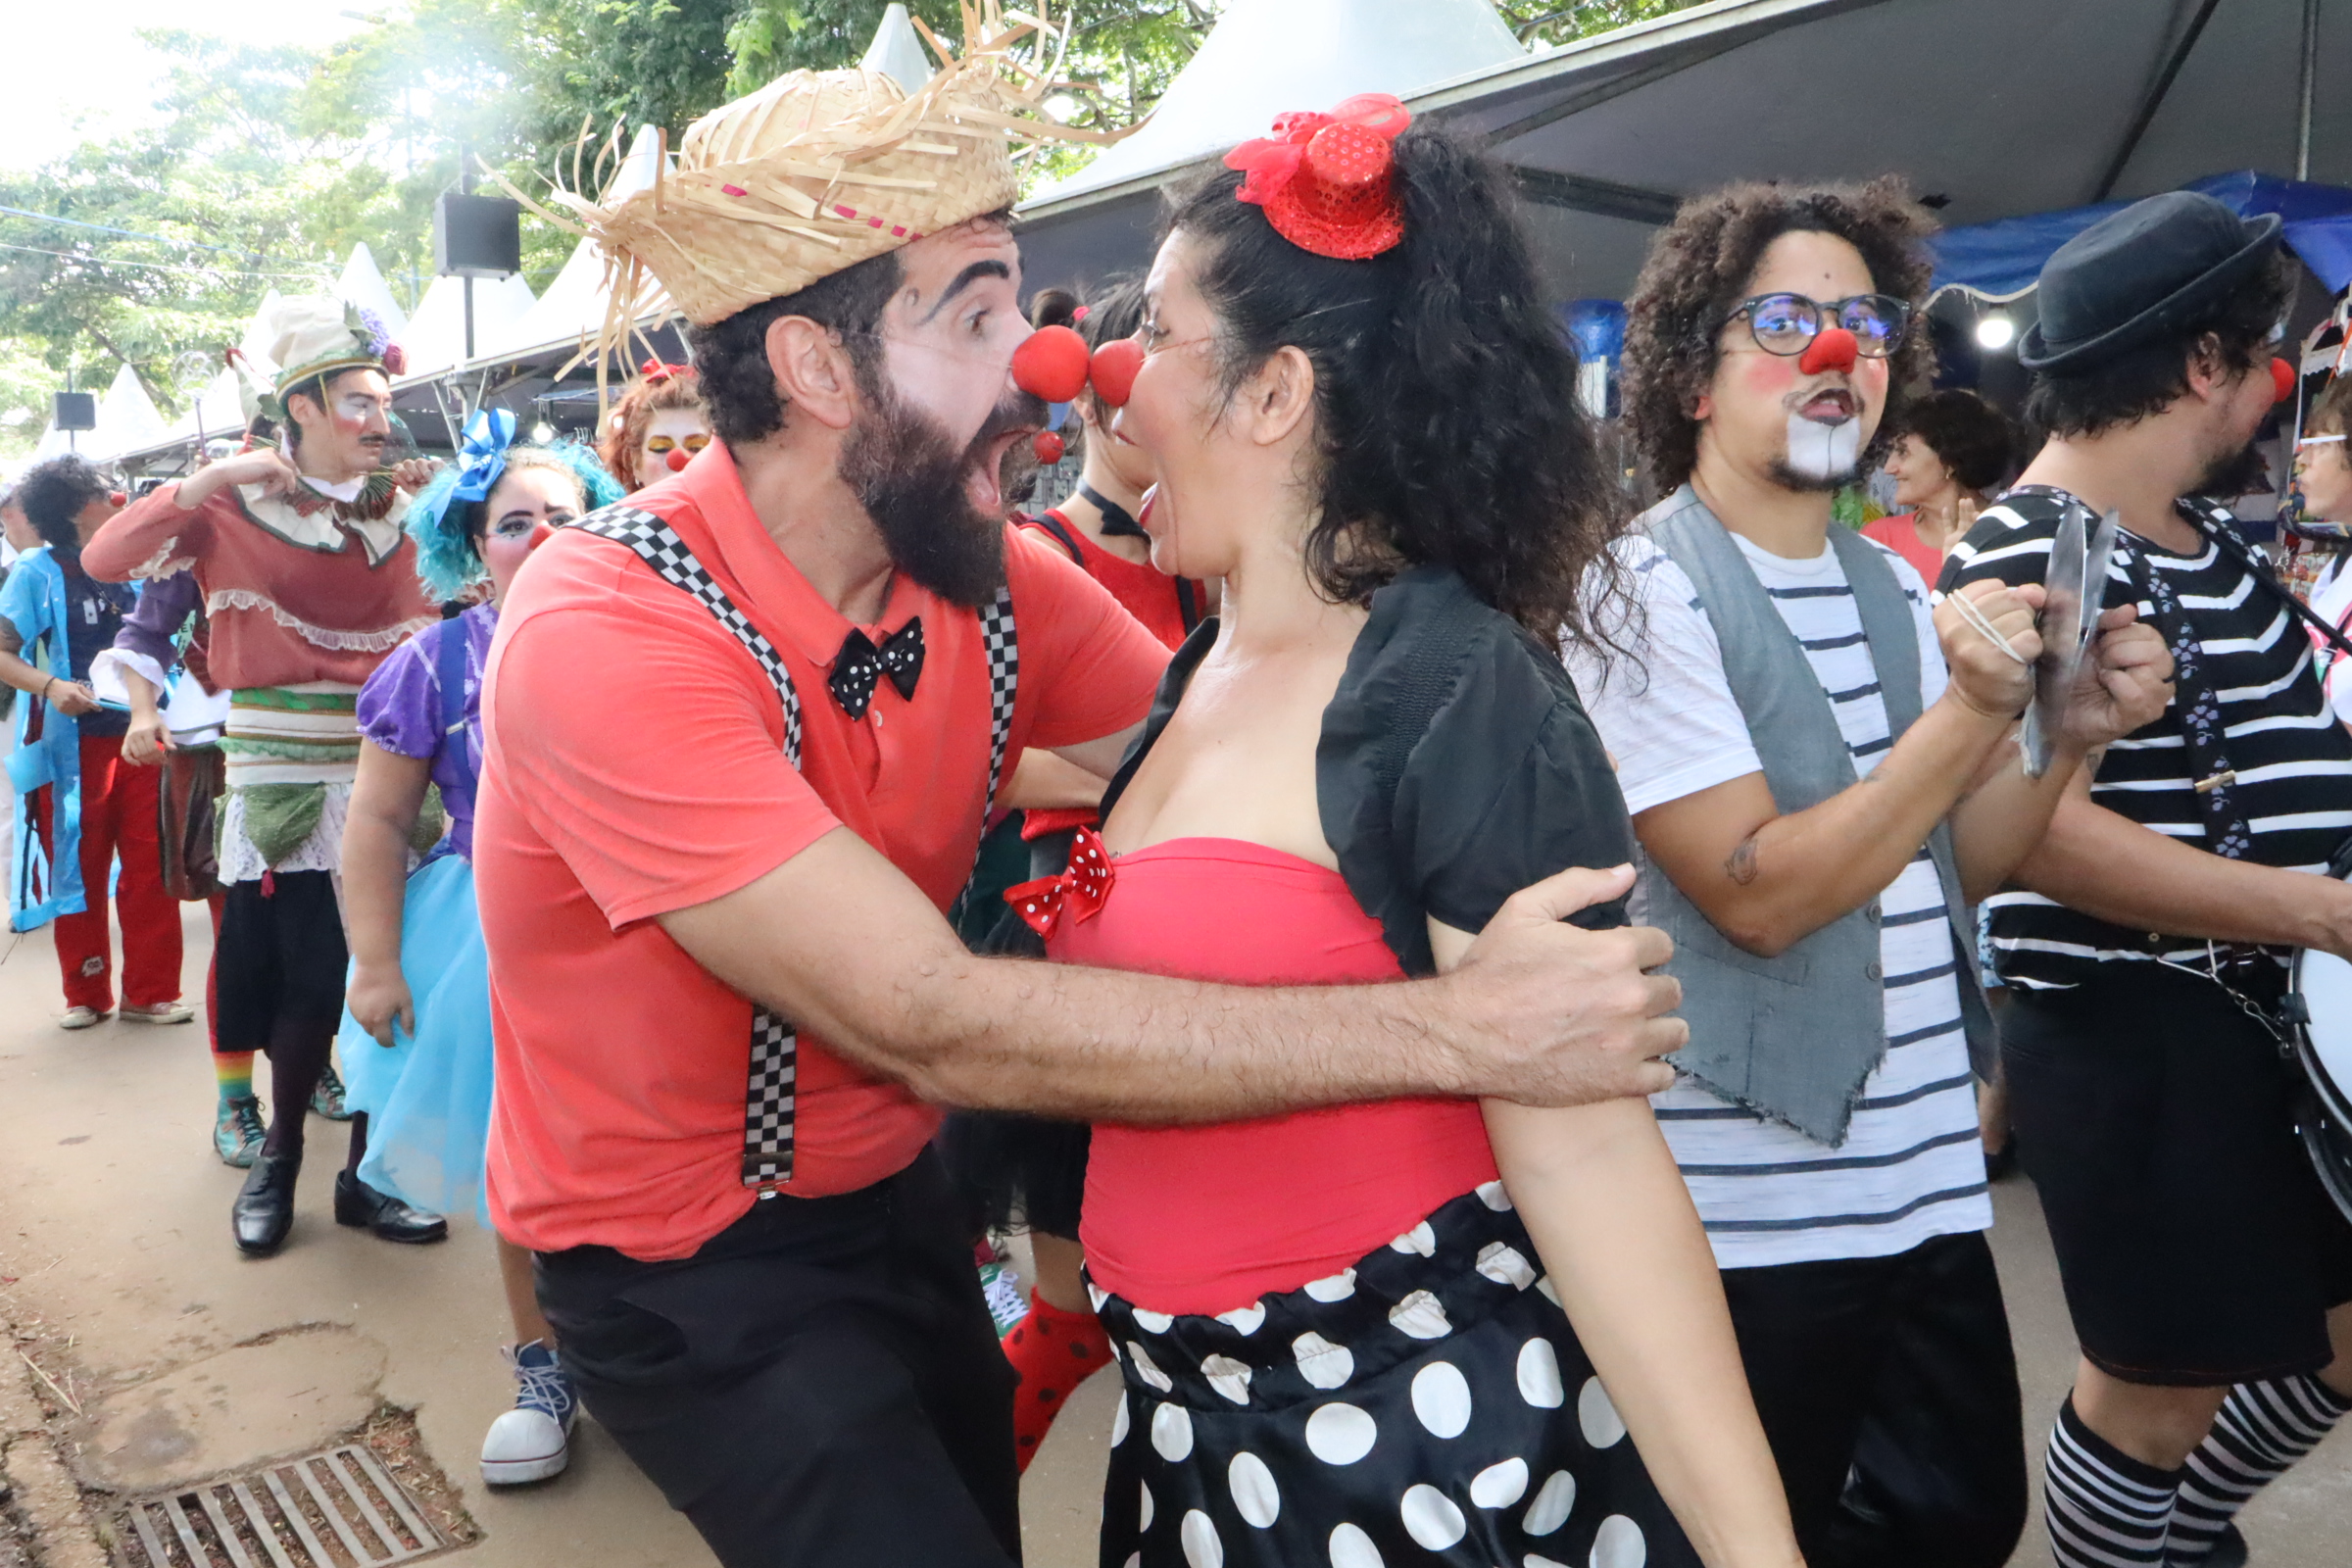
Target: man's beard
2239	472
910	476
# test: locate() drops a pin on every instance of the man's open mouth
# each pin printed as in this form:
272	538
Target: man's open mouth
1832	404
982	483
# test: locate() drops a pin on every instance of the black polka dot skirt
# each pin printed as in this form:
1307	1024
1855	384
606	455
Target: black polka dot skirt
1429	1405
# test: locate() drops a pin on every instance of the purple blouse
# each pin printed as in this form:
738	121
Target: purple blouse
153	625
400	710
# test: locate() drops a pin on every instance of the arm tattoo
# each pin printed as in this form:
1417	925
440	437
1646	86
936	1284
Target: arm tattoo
1742	866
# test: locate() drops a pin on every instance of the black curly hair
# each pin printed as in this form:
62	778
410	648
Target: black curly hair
2130	386
53	494
1977	441
1699	267
1444	389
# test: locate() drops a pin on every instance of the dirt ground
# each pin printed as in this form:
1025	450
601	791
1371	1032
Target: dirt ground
184	1359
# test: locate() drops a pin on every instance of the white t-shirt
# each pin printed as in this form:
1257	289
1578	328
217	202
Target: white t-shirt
2331	597
1911	1166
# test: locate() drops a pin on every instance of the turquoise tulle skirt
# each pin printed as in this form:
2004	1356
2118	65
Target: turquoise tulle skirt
427	1098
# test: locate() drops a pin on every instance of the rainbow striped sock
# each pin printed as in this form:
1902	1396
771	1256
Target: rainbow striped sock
235	1071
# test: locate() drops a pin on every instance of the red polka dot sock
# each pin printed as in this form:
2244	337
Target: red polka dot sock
1054	1351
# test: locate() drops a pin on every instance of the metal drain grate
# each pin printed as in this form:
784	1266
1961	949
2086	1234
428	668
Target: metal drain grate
337	1509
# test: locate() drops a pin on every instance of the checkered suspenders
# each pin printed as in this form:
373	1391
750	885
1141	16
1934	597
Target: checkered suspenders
768	1117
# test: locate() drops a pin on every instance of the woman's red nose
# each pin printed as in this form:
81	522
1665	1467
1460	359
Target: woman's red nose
2283	380
1834	350
541	536
1051	364
1114	369
677	459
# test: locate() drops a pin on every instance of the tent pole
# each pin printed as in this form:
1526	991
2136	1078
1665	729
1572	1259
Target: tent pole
2154	101
2311	71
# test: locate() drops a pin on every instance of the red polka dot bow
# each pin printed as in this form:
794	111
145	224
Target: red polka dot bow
1080	889
1327	182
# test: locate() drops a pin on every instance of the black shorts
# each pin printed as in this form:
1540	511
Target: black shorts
2193	1239
819	1384
279	958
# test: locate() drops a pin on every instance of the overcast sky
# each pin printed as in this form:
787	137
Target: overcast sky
77	68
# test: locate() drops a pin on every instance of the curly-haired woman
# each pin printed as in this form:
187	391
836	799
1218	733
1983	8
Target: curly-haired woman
415	1039
1953	450
1342	1331
656	426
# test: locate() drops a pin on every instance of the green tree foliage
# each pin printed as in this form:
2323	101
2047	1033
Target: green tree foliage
1548	23
266	163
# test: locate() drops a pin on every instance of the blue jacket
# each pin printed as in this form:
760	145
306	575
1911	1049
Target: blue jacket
41	887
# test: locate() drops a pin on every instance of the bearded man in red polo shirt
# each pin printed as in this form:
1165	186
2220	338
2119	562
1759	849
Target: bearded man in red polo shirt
742	736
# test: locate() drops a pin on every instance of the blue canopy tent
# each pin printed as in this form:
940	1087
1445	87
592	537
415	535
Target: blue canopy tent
2001	260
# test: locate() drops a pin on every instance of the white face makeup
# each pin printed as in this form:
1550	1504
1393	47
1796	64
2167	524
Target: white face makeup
1825	452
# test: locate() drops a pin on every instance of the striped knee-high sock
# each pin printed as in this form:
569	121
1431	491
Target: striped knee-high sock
2262	1430
2104	1508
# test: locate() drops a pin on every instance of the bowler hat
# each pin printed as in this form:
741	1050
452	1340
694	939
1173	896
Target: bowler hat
2135	275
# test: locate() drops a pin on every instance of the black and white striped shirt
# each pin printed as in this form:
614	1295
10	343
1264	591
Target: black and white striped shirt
1911	1166
2292	760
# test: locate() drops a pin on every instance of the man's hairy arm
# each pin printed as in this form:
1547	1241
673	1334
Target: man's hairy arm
839	940
2104	864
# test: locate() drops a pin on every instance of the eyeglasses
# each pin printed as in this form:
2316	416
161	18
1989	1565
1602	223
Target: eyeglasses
1787	323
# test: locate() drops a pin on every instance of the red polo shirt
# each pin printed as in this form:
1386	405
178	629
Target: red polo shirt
636	765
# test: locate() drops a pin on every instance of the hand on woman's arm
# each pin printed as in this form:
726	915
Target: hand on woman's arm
384	804
1612	1222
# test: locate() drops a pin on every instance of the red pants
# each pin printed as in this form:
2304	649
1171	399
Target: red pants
118	816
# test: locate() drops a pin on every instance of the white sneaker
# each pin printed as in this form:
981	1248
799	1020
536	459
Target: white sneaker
533	1441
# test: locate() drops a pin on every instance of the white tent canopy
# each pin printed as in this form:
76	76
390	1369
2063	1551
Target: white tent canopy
363	284
1267	56
128	419
898	53
435	338
573	309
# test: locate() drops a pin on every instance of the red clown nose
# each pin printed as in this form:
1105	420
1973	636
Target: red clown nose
677	459
2283	380
1834	350
116	499
540	535
1048	448
1051	364
1115	366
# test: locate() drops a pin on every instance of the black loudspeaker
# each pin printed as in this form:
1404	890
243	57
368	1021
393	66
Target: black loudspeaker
75	410
477	236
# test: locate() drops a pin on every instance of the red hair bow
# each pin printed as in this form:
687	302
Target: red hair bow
1327	182
656	373
1081	890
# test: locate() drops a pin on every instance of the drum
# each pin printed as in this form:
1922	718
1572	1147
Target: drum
2319	1005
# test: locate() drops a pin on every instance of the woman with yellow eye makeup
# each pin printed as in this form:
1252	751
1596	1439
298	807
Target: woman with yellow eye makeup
657	426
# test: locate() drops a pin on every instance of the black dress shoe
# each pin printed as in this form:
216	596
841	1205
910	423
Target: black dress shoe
264	1207
359	1204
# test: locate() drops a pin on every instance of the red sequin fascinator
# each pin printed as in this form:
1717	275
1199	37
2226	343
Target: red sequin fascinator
1327	182
656	373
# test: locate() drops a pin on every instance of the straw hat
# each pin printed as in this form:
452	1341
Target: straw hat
817	172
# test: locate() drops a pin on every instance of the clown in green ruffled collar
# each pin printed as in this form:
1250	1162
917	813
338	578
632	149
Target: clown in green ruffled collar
333	397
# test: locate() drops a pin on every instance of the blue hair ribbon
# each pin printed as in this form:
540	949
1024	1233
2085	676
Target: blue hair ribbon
482	455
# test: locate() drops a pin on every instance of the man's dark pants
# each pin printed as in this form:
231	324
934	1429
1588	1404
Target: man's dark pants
1888	1390
818	1387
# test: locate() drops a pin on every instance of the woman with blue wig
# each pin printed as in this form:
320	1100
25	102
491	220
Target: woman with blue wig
416	1040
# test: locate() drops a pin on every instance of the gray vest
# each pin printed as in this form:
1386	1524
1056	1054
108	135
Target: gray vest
1794	1037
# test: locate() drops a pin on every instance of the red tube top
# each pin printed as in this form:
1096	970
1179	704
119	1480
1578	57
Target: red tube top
1204	1219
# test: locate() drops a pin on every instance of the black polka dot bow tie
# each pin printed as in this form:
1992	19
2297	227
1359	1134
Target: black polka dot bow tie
860	663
